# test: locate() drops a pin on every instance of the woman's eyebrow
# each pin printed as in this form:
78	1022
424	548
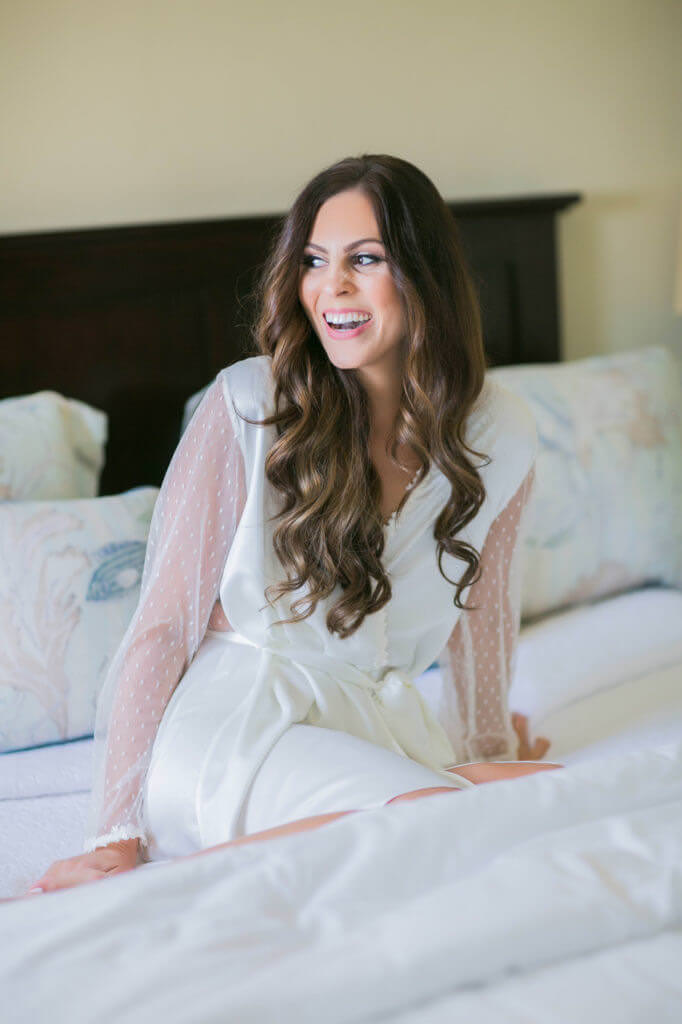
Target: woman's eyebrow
347	248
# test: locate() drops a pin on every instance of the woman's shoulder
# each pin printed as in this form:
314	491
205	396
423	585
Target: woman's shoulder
502	427
249	372
500	416
248	385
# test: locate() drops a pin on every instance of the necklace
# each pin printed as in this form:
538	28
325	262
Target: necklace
389	519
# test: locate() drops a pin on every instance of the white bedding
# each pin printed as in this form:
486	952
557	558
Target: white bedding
34	833
383	911
555	897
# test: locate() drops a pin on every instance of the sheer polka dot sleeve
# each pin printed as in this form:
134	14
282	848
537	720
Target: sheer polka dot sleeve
479	659
195	517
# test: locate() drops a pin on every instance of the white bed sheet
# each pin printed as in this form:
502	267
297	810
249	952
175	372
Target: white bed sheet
44	796
53	769
36	831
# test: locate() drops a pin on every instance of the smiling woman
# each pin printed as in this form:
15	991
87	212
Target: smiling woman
335	495
373	241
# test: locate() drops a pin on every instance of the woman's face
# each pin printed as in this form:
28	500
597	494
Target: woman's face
344	270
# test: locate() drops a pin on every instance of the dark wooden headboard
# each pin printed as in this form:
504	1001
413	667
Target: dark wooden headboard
134	320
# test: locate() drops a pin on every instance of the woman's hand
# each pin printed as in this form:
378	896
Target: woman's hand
525	751
89	867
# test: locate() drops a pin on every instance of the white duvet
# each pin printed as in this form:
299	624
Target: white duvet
557	895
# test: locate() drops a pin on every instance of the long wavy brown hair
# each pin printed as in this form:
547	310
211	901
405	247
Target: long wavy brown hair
330	527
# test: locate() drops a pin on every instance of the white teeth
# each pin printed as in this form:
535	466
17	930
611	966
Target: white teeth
345	318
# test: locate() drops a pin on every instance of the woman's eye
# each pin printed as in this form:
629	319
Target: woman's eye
308	259
366	256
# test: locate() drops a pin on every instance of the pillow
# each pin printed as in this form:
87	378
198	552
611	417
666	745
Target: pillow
582	651
51	447
606	516
69	587
641	712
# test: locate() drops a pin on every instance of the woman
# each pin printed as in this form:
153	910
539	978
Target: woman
315	529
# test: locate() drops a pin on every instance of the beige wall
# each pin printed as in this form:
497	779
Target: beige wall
127	111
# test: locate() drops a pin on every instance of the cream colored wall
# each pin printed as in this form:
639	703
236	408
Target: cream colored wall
148	110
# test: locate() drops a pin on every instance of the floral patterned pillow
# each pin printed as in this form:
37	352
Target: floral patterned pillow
51	447
70	583
607	511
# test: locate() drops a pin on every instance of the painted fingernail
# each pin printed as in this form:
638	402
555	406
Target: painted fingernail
36	888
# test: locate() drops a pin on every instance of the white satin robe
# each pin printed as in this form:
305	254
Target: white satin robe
240	691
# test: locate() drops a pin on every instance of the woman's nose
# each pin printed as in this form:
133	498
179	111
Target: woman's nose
336	279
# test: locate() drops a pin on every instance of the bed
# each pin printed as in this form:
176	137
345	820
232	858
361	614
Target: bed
557	896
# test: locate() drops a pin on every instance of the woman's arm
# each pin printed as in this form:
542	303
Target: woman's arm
195	518
479	659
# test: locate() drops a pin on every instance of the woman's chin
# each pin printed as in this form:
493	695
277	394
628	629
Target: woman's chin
346	359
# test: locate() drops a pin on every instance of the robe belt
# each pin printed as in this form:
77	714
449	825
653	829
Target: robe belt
413	725
349	672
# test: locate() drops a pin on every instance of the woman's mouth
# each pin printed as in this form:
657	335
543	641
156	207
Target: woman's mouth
346	330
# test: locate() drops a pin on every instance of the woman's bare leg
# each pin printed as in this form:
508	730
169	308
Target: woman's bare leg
306	824
490	771
302	825
484	771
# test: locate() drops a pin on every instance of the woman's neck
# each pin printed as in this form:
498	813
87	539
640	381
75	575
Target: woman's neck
383	391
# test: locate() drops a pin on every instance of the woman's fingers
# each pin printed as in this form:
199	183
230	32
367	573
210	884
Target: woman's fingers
540	748
67	880
86	867
525	751
64	874
520	724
